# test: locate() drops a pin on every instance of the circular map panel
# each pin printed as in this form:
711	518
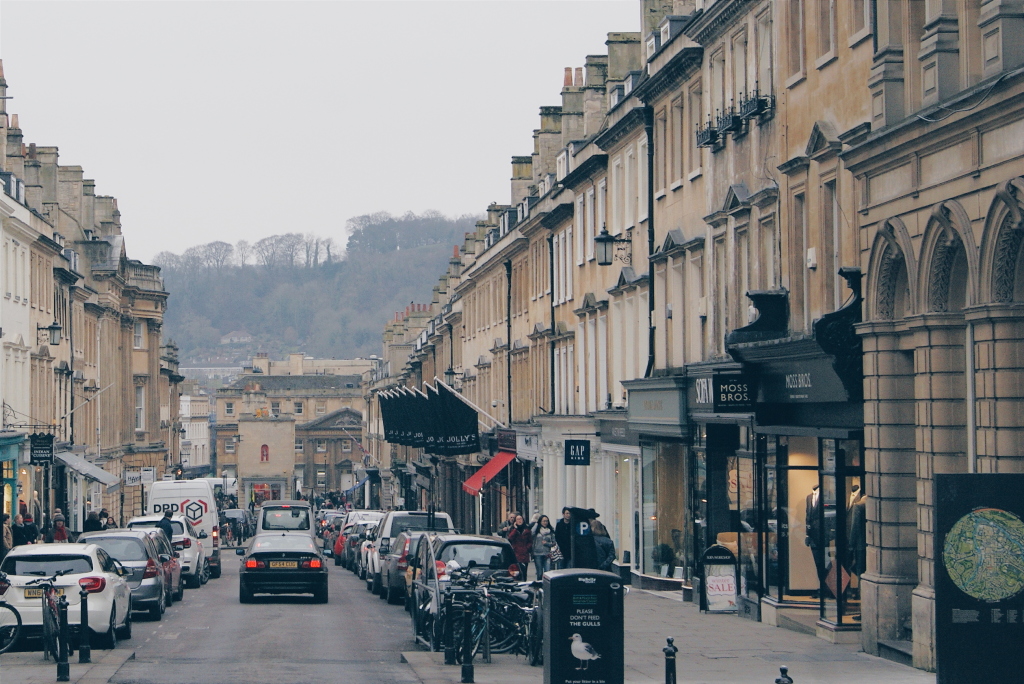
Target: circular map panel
984	554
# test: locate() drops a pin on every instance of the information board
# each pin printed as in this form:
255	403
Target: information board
583	627
979	577
41	448
132	478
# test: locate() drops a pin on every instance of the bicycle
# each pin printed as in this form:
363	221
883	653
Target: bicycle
52	637
10	620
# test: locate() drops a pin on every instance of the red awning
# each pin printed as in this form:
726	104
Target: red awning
487	472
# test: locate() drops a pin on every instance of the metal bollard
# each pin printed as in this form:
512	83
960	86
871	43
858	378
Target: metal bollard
449	631
63	667
785	678
467	644
670	661
84	648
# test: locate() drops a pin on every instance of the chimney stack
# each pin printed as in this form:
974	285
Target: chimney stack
579	77
567	81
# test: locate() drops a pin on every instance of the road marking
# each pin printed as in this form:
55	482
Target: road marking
173	635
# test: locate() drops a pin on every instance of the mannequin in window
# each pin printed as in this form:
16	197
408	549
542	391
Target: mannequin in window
856	531
815	539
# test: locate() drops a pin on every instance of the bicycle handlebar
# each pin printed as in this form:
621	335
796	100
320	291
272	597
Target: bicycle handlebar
48	580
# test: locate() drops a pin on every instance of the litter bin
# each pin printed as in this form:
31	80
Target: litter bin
583	627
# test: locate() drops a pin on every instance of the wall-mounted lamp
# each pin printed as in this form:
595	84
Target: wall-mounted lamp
605	243
54	330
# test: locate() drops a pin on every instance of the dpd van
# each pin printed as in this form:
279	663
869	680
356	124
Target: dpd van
194	500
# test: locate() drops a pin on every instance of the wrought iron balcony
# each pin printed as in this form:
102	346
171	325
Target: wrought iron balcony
707	135
756	105
730	122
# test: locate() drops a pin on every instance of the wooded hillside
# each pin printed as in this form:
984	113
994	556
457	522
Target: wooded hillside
307	293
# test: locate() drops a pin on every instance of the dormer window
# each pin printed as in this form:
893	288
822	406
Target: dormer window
653	44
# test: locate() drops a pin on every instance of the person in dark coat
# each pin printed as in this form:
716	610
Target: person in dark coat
521	539
31	530
507	526
585	553
563	537
165	525
19	533
93	523
605	546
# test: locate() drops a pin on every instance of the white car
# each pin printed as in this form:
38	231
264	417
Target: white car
84	566
391	525
187	541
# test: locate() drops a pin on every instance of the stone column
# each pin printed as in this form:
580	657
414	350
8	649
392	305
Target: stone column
939	361
940	52
999	385
888	99
890	484
1002	24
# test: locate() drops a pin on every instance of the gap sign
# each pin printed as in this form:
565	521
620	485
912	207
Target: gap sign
577	452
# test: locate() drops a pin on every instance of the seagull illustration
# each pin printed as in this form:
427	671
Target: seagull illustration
583	652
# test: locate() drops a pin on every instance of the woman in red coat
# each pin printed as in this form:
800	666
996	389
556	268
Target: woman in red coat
522	542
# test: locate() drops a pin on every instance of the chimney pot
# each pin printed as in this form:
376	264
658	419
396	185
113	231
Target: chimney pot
14	121
579	77
567	81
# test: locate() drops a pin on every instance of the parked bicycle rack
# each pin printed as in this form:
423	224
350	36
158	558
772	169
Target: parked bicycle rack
63	667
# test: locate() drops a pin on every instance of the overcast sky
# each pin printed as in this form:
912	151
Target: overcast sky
237	120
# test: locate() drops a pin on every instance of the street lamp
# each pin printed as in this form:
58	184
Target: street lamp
605	243
449	376
54	330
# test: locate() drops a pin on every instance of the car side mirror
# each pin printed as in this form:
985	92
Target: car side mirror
239	551
202	534
164	558
122	571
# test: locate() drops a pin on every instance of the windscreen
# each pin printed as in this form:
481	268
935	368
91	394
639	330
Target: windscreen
45	566
486	555
124	549
285	519
282	543
149	524
401	523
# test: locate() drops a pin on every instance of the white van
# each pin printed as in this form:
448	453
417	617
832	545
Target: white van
193	499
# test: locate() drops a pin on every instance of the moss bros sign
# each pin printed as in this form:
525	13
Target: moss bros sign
724	393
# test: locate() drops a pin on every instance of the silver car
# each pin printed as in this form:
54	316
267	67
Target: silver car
136	551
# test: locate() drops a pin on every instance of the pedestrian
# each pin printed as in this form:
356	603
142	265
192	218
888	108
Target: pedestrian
31	530
19	533
92	522
6	536
104	514
522	542
507	526
563	537
59	533
605	545
543	542
165	524
111	524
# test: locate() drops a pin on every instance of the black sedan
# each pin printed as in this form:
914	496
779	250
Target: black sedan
282	563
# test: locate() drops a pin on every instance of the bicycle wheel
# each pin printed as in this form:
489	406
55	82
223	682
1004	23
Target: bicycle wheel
535	644
51	630
10	627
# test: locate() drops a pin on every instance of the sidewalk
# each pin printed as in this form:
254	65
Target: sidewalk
30	668
712	648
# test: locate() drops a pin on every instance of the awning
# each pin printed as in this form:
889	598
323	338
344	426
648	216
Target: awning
487	472
89	470
356	486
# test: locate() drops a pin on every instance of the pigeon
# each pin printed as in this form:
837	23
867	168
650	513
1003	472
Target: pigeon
583	652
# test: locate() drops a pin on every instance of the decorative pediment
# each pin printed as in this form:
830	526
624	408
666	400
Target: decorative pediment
628	279
736	198
673	241
539	330
591	304
824	141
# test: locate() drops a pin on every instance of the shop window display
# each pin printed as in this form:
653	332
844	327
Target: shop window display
667	537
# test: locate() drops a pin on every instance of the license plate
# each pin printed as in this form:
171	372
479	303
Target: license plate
284	564
37	592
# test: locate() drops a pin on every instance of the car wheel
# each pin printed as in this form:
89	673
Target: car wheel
395	596
170	596
215	572
376	586
125	632
156	612
181	589
321	594
204	576
108	640
384	589
244	595
362	572
337	561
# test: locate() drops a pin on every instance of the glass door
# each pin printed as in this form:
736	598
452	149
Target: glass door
843	525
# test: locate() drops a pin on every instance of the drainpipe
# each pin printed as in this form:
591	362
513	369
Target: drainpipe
551	294
649	132
508	338
972	427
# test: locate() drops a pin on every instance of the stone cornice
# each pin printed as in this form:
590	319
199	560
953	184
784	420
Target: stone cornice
682	65
712	22
558	215
585	171
616	133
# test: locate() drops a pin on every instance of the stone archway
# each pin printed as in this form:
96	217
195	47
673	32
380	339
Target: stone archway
1002	263
891	289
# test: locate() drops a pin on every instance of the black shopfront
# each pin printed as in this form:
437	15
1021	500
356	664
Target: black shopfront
807	535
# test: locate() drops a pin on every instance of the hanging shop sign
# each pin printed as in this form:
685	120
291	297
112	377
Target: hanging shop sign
148	474
132	478
41	448
719	586
979	577
725	393
577	452
506	439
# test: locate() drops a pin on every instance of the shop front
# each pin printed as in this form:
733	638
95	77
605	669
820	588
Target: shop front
657	414
259	490
620	448
808	437
10	448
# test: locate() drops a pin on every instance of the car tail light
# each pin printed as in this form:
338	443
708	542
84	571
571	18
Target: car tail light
253	563
95	585
151	570
403	560
216	538
4	586
185	543
313	564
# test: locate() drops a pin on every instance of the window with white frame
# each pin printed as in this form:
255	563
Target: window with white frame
763	36
229	408
588	223
298	408
298	446
140	407
640	198
229	446
618	198
346	446
629	216
321	408
826	28
321	477
275	408
579	220
321	445
140	335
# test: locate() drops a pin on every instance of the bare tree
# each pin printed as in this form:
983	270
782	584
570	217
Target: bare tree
311	247
219	254
267	250
167	260
290	246
243	250
329	249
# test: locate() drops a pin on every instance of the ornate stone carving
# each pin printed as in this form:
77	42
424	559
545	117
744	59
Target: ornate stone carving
891	263
1004	262
942	264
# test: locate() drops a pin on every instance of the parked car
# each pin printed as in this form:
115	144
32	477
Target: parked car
392	524
85	566
362	515
282	563
485	556
362	552
346	543
286	516
187	541
145	557
171	566
396	563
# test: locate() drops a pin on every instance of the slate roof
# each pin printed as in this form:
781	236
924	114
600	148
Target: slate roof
278	383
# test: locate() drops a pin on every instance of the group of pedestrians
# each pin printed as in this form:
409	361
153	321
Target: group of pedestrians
550	548
23	529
